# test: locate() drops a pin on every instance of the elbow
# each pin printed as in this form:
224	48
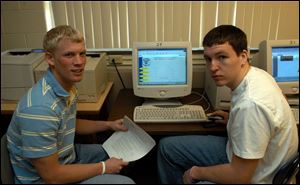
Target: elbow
244	179
51	180
241	177
52	177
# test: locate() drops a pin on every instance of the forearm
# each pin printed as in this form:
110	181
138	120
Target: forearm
224	173
239	170
90	126
51	171
72	173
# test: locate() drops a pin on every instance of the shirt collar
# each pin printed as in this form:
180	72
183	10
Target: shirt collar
55	85
241	87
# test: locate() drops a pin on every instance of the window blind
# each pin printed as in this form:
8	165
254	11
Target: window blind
117	24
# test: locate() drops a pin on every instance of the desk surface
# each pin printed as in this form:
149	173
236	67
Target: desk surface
8	107
126	102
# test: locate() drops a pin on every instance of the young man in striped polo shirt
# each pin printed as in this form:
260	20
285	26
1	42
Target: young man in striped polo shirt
41	133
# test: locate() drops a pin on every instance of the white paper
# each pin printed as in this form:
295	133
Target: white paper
130	145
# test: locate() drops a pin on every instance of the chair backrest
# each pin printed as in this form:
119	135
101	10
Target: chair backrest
7	174
286	173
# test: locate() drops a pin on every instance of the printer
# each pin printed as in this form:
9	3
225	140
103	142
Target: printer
94	78
17	72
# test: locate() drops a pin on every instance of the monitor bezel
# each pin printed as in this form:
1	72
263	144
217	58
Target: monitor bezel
265	50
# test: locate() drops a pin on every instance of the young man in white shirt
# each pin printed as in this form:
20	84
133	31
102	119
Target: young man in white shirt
262	132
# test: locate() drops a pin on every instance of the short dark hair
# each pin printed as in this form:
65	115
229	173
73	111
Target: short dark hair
226	33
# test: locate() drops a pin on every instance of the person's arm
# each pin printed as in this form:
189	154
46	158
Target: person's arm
90	127
238	171
52	172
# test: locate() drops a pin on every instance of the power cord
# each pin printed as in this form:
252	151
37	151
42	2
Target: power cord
113	61
201	97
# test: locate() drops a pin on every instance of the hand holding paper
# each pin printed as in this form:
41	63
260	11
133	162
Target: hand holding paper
130	145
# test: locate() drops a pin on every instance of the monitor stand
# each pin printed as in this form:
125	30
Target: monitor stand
149	101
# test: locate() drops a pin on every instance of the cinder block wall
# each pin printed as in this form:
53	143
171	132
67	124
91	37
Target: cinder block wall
23	24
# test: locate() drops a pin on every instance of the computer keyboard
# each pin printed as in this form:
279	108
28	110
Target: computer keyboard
169	113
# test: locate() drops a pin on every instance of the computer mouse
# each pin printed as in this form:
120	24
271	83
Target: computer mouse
215	117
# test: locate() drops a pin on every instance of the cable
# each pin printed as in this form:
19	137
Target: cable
201	97
113	61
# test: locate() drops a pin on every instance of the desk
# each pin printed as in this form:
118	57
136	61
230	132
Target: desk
8	107
126	102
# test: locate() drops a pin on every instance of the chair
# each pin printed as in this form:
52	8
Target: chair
287	172
7	174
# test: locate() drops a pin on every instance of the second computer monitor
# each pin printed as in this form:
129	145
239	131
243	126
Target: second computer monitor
280	58
162	70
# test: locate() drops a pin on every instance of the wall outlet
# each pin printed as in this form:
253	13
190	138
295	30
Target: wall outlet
118	59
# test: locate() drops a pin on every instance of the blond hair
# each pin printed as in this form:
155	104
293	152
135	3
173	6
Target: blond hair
58	33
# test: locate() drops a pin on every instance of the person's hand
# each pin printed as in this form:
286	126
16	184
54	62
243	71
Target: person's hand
188	177
117	125
114	165
224	114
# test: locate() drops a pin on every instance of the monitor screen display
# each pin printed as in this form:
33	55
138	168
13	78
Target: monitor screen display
285	63
162	66
162	70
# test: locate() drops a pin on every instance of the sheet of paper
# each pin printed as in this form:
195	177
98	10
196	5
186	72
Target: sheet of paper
130	145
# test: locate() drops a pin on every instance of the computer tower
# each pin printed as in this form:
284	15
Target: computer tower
219	97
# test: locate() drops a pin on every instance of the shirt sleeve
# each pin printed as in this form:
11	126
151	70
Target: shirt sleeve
249	130
38	128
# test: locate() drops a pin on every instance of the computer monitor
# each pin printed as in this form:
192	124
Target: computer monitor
280	58
162	70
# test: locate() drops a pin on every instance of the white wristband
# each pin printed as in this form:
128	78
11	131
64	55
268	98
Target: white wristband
103	167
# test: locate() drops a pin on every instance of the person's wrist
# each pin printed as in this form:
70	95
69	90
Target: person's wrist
109	125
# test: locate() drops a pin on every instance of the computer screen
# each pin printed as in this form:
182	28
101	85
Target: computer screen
280	58
285	63
162	70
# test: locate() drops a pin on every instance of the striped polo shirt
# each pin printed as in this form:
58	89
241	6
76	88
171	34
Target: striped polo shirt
42	124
